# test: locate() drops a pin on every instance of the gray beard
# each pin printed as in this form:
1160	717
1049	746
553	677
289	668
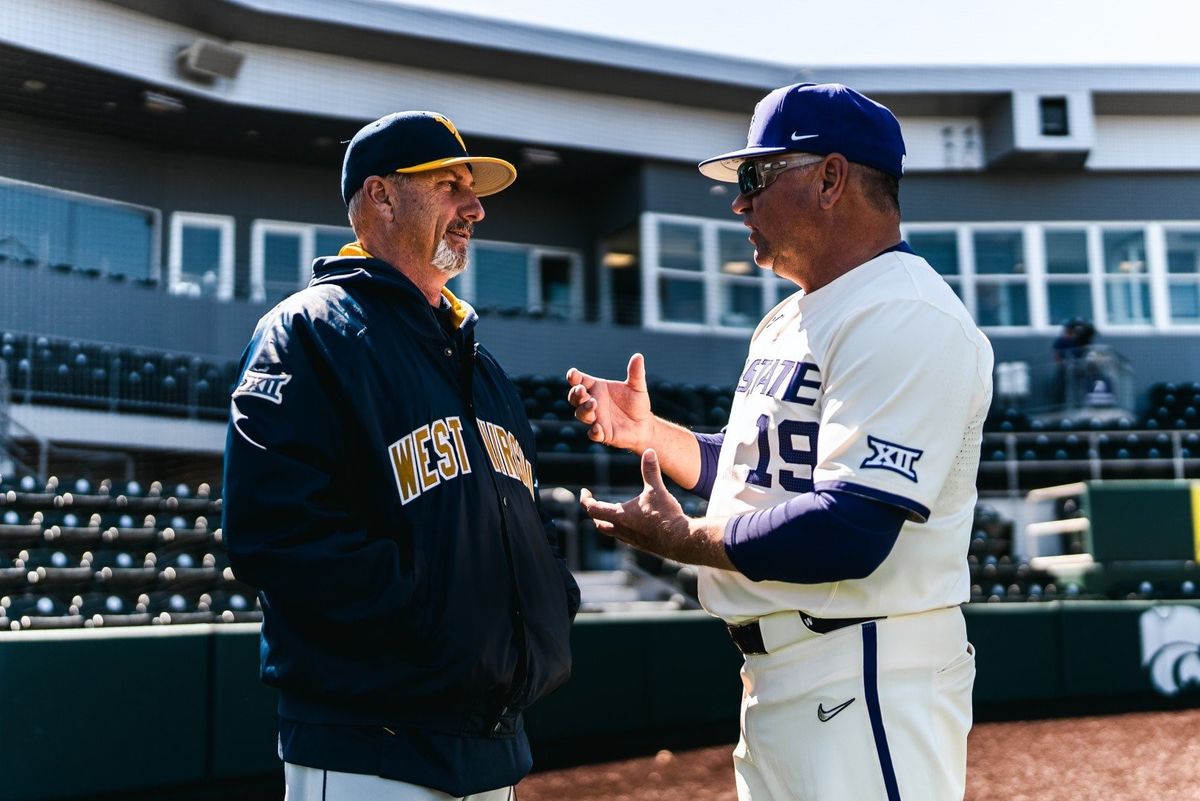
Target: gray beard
448	261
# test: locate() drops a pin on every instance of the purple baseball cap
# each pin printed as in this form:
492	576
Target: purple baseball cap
817	118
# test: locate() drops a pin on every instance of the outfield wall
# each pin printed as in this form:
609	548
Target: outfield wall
120	711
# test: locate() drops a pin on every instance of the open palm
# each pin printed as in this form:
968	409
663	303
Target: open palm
617	412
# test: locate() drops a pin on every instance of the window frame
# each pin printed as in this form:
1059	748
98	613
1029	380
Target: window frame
709	275
222	223
1165	284
307	232
1087	278
156	228
1106	278
533	274
1096	277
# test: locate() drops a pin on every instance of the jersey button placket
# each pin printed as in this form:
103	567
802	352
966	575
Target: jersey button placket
449	351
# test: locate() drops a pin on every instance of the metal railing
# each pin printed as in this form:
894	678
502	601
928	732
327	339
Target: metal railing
1023	459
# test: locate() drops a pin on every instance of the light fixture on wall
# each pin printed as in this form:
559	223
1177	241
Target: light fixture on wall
617	260
159	103
540	157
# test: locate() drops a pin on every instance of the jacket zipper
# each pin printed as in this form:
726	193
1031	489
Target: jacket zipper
466	373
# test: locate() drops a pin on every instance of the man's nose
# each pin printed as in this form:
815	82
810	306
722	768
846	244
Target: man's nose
473	210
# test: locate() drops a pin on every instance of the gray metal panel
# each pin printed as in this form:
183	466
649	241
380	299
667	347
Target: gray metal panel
1026	196
484	46
40	301
1046	195
681	189
952	80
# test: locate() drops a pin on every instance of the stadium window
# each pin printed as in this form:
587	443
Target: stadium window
513	278
200	259
328	240
1068	277
41	225
940	249
680	267
739	280
702	276
1053	115
1183	274
281	255
557	285
1001	283
620	284
1126	277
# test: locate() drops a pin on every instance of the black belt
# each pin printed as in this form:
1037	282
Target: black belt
748	636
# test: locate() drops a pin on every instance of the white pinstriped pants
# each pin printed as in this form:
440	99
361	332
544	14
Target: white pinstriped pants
315	784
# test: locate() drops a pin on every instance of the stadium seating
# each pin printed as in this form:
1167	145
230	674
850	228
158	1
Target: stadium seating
996	574
129	552
114	554
56	371
124	554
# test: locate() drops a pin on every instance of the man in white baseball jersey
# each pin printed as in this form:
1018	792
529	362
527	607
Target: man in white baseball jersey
841	492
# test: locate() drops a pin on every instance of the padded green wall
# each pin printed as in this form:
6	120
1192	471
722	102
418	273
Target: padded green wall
91	712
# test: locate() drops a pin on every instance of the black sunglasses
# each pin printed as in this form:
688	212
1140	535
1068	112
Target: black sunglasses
755	176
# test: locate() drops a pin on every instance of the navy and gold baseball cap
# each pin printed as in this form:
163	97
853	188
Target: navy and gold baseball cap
817	118
417	141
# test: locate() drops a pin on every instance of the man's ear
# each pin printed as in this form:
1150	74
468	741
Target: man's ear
835	174
376	190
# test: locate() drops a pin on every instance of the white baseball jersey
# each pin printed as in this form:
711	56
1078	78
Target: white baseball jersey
876	384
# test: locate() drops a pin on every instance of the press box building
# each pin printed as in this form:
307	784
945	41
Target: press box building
169	170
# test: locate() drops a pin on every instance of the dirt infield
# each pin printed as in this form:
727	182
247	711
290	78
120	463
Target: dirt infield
1144	756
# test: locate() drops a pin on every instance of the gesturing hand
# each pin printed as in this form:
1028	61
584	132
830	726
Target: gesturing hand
654	521
618	412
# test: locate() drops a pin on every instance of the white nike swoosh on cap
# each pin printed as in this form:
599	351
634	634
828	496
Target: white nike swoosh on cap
806	136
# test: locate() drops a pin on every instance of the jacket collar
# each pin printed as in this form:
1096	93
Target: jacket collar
355	264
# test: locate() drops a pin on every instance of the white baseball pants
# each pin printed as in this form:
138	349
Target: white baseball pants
878	711
315	784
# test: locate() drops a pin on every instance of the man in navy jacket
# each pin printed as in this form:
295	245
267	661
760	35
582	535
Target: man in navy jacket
380	493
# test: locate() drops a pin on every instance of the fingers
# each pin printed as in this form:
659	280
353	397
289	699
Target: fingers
652	472
636	373
577	394
603	514
576	377
585	412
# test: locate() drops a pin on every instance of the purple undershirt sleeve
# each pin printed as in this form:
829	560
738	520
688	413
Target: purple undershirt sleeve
710	451
814	538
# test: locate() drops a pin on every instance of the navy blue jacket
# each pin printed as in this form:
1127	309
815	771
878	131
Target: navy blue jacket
379	492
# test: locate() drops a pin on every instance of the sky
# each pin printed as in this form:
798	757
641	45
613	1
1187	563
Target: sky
877	32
